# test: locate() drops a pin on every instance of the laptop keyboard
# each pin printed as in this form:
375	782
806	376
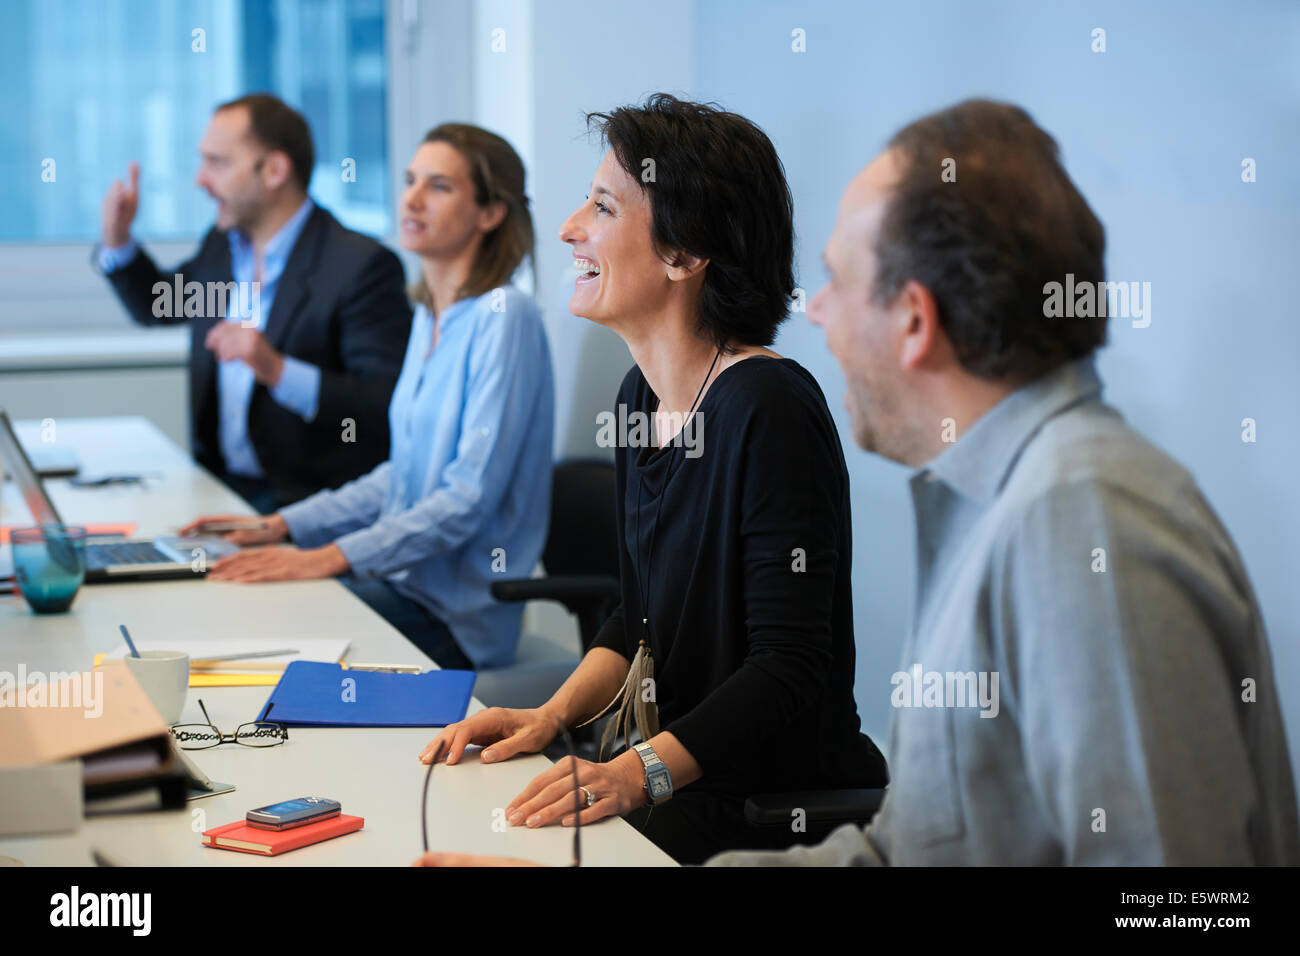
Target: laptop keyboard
99	556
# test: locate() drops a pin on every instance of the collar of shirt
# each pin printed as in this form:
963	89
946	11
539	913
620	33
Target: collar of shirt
450	315
978	464
277	251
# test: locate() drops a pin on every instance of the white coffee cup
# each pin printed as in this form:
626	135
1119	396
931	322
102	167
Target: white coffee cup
165	677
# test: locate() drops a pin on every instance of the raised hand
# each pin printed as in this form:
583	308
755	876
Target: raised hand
120	205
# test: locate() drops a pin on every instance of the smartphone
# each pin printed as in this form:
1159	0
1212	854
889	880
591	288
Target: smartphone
292	813
221	527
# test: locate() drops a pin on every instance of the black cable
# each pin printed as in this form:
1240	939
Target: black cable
577	800
424	799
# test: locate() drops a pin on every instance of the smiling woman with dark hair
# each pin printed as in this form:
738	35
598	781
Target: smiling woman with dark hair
732	650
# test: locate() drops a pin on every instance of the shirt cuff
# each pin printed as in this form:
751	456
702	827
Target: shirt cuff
112	258
299	387
364	550
300	519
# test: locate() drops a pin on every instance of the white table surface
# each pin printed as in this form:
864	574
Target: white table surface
372	772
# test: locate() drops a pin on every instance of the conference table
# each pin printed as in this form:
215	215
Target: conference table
373	772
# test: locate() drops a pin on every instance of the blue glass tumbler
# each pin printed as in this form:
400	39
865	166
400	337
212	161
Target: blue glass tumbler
49	565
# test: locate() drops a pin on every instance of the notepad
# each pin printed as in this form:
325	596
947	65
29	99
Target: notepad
325	695
245	839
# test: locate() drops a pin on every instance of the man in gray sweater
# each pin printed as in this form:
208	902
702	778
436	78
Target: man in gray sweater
1087	679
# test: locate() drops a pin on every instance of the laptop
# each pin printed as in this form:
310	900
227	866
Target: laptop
112	559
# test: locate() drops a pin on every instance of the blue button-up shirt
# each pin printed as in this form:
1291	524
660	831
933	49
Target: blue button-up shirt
299	385
464	498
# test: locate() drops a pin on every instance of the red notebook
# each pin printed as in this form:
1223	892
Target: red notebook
245	839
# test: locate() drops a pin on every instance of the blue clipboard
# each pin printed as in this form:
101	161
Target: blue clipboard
320	694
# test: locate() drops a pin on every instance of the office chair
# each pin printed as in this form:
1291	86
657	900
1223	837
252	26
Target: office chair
581	563
823	810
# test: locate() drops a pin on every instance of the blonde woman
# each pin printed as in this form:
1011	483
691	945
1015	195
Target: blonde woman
467	483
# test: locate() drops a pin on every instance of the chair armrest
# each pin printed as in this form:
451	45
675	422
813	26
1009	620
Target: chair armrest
819	806
562	588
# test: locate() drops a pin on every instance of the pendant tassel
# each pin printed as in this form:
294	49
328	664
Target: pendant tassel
632	702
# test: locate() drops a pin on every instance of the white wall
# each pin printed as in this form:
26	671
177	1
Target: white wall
1153	131
581	57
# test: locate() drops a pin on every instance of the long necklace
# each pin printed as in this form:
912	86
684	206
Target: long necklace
643	593
631	696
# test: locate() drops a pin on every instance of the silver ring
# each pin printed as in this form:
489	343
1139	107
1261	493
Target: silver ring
591	797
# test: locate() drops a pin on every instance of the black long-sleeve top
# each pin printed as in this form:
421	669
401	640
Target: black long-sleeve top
749	596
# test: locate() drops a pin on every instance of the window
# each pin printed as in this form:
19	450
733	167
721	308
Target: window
93	84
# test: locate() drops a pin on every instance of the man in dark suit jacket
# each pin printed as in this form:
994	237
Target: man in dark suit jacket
298	325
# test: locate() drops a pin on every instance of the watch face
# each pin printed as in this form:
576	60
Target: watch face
658	786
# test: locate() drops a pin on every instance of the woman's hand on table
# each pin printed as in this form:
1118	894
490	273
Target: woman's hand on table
616	786
280	564
507	731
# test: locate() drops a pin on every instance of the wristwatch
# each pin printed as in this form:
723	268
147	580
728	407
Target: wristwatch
658	781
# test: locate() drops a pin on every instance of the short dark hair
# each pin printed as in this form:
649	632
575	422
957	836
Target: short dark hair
277	126
986	243
718	191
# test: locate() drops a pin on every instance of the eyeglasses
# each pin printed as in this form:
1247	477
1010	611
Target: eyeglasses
256	733
577	800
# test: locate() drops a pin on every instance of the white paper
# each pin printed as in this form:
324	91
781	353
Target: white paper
328	649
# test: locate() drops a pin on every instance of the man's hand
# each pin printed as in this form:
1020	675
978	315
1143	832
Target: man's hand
280	564
120	204
231	340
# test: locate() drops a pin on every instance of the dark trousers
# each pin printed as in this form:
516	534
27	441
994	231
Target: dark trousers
256	491
421	628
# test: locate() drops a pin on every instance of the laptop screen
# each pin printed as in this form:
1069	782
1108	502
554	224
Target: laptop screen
29	484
